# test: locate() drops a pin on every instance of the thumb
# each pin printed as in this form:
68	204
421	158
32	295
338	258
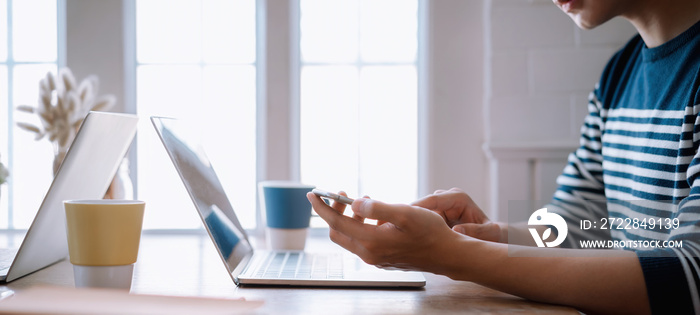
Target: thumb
488	231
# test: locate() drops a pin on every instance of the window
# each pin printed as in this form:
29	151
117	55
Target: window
359	92
355	83
196	60
28	51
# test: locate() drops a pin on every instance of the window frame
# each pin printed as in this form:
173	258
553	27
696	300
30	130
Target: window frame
295	65
10	63
359	63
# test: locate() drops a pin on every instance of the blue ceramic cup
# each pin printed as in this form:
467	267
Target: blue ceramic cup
286	212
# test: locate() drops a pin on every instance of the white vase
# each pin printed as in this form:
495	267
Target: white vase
58	157
121	186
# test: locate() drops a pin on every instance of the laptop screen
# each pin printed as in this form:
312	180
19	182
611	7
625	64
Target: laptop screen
205	189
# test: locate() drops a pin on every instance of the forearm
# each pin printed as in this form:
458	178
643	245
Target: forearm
518	233
594	284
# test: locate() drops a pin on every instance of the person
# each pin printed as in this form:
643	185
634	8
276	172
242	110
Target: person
639	142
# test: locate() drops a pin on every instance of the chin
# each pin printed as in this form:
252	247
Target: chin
585	25
589	14
588	23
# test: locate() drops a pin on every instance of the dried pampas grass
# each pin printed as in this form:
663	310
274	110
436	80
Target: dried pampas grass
63	105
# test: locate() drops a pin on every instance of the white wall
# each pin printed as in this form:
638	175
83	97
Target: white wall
540	69
454	128
94	44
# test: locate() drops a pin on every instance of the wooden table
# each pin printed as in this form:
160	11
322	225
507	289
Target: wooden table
188	265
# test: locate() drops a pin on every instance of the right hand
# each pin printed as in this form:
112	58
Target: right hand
409	237
462	215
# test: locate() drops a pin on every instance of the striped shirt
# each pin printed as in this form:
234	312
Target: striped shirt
638	161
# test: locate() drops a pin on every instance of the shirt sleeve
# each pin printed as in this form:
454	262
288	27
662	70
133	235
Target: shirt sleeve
672	274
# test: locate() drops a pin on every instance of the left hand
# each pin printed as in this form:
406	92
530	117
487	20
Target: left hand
410	237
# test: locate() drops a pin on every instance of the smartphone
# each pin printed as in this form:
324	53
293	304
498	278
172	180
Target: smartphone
330	195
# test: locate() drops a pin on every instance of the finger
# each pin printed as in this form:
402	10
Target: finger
339	206
357	216
373	209
322	208
340	239
347	242
456	190
337	221
451	204
428	202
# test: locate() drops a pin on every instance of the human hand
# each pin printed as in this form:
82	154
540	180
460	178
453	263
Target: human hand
461	213
409	237
340	207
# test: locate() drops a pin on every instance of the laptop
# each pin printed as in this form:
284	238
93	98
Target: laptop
86	173
248	266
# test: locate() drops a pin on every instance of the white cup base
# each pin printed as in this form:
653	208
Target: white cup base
286	239
111	277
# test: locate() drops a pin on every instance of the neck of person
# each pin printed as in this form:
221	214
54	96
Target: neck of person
660	21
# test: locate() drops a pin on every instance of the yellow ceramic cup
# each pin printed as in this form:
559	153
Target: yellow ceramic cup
103	232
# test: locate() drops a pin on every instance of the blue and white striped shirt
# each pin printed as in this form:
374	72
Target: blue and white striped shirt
639	154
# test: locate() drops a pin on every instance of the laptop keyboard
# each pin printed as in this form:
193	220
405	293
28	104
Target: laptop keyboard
300	265
7	255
